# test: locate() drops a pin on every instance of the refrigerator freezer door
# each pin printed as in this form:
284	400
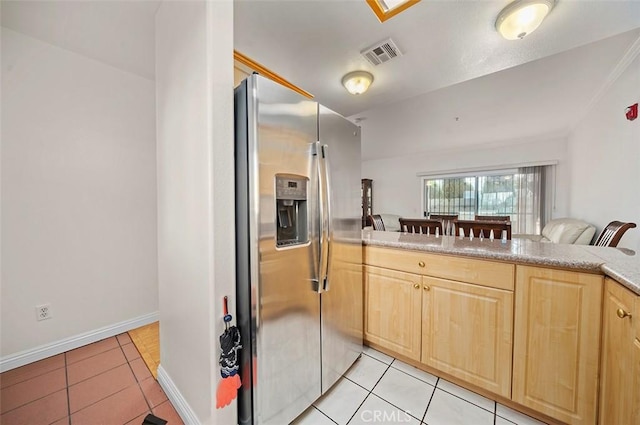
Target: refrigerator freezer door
285	309
341	303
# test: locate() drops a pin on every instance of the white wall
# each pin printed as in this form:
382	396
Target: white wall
519	115
194	76
604	151
78	194
397	187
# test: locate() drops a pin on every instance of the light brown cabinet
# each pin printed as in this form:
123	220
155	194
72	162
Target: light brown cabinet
556	343
467	332
620	357
529	334
450	313
392	310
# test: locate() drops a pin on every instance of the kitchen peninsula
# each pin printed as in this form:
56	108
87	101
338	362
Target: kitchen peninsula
548	329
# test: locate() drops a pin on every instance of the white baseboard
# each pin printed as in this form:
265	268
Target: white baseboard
175	396
42	352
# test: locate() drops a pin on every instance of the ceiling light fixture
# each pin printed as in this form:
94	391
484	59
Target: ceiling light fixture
522	17
357	82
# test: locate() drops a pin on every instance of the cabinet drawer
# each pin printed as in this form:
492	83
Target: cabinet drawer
480	272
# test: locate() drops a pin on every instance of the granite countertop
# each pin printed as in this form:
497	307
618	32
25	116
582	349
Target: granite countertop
621	264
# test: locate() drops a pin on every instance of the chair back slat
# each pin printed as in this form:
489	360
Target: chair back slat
376	222
611	235
478	227
484	228
410	225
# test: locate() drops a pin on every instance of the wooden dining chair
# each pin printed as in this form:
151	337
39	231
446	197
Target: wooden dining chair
446	220
611	235
376	222
484	227
493	217
419	225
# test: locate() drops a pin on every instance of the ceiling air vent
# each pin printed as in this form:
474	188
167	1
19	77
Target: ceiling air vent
381	52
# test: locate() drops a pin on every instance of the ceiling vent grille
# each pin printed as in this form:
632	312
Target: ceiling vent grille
381	52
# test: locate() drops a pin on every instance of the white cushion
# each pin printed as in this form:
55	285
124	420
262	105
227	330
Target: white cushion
568	231
391	222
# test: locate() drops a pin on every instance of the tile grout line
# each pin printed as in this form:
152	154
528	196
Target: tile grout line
134	375
105	397
374	385
389	366
435	387
101	373
110	395
324	414
96	354
136	378
419	379
36	399
33	377
414	377
66	377
369	391
468	401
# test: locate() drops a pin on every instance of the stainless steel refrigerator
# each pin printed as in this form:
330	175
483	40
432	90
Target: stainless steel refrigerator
298	249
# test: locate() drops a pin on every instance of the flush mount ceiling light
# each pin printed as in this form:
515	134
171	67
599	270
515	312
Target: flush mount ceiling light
522	17
357	82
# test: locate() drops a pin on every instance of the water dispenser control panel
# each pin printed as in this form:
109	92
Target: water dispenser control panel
291	210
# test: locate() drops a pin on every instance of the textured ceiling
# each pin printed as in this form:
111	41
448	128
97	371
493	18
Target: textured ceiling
314	43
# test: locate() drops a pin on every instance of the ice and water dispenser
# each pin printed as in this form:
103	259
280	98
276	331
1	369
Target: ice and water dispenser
291	210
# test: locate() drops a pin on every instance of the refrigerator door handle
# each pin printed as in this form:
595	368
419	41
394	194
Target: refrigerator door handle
327	209
320	271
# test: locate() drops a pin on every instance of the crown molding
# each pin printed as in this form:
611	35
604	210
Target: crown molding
266	72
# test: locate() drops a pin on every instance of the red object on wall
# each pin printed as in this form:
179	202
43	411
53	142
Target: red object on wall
632	112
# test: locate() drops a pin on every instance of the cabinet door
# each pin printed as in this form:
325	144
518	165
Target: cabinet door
392	310
467	332
617	380
556	343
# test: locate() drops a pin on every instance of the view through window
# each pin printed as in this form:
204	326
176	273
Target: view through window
517	193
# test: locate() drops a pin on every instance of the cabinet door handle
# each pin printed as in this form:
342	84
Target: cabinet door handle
416	285
421	263
427	287
622	314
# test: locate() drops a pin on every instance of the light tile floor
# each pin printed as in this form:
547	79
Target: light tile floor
379	389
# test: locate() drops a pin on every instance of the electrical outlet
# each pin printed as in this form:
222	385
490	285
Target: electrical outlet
43	312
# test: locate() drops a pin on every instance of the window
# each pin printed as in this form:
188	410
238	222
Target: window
518	193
